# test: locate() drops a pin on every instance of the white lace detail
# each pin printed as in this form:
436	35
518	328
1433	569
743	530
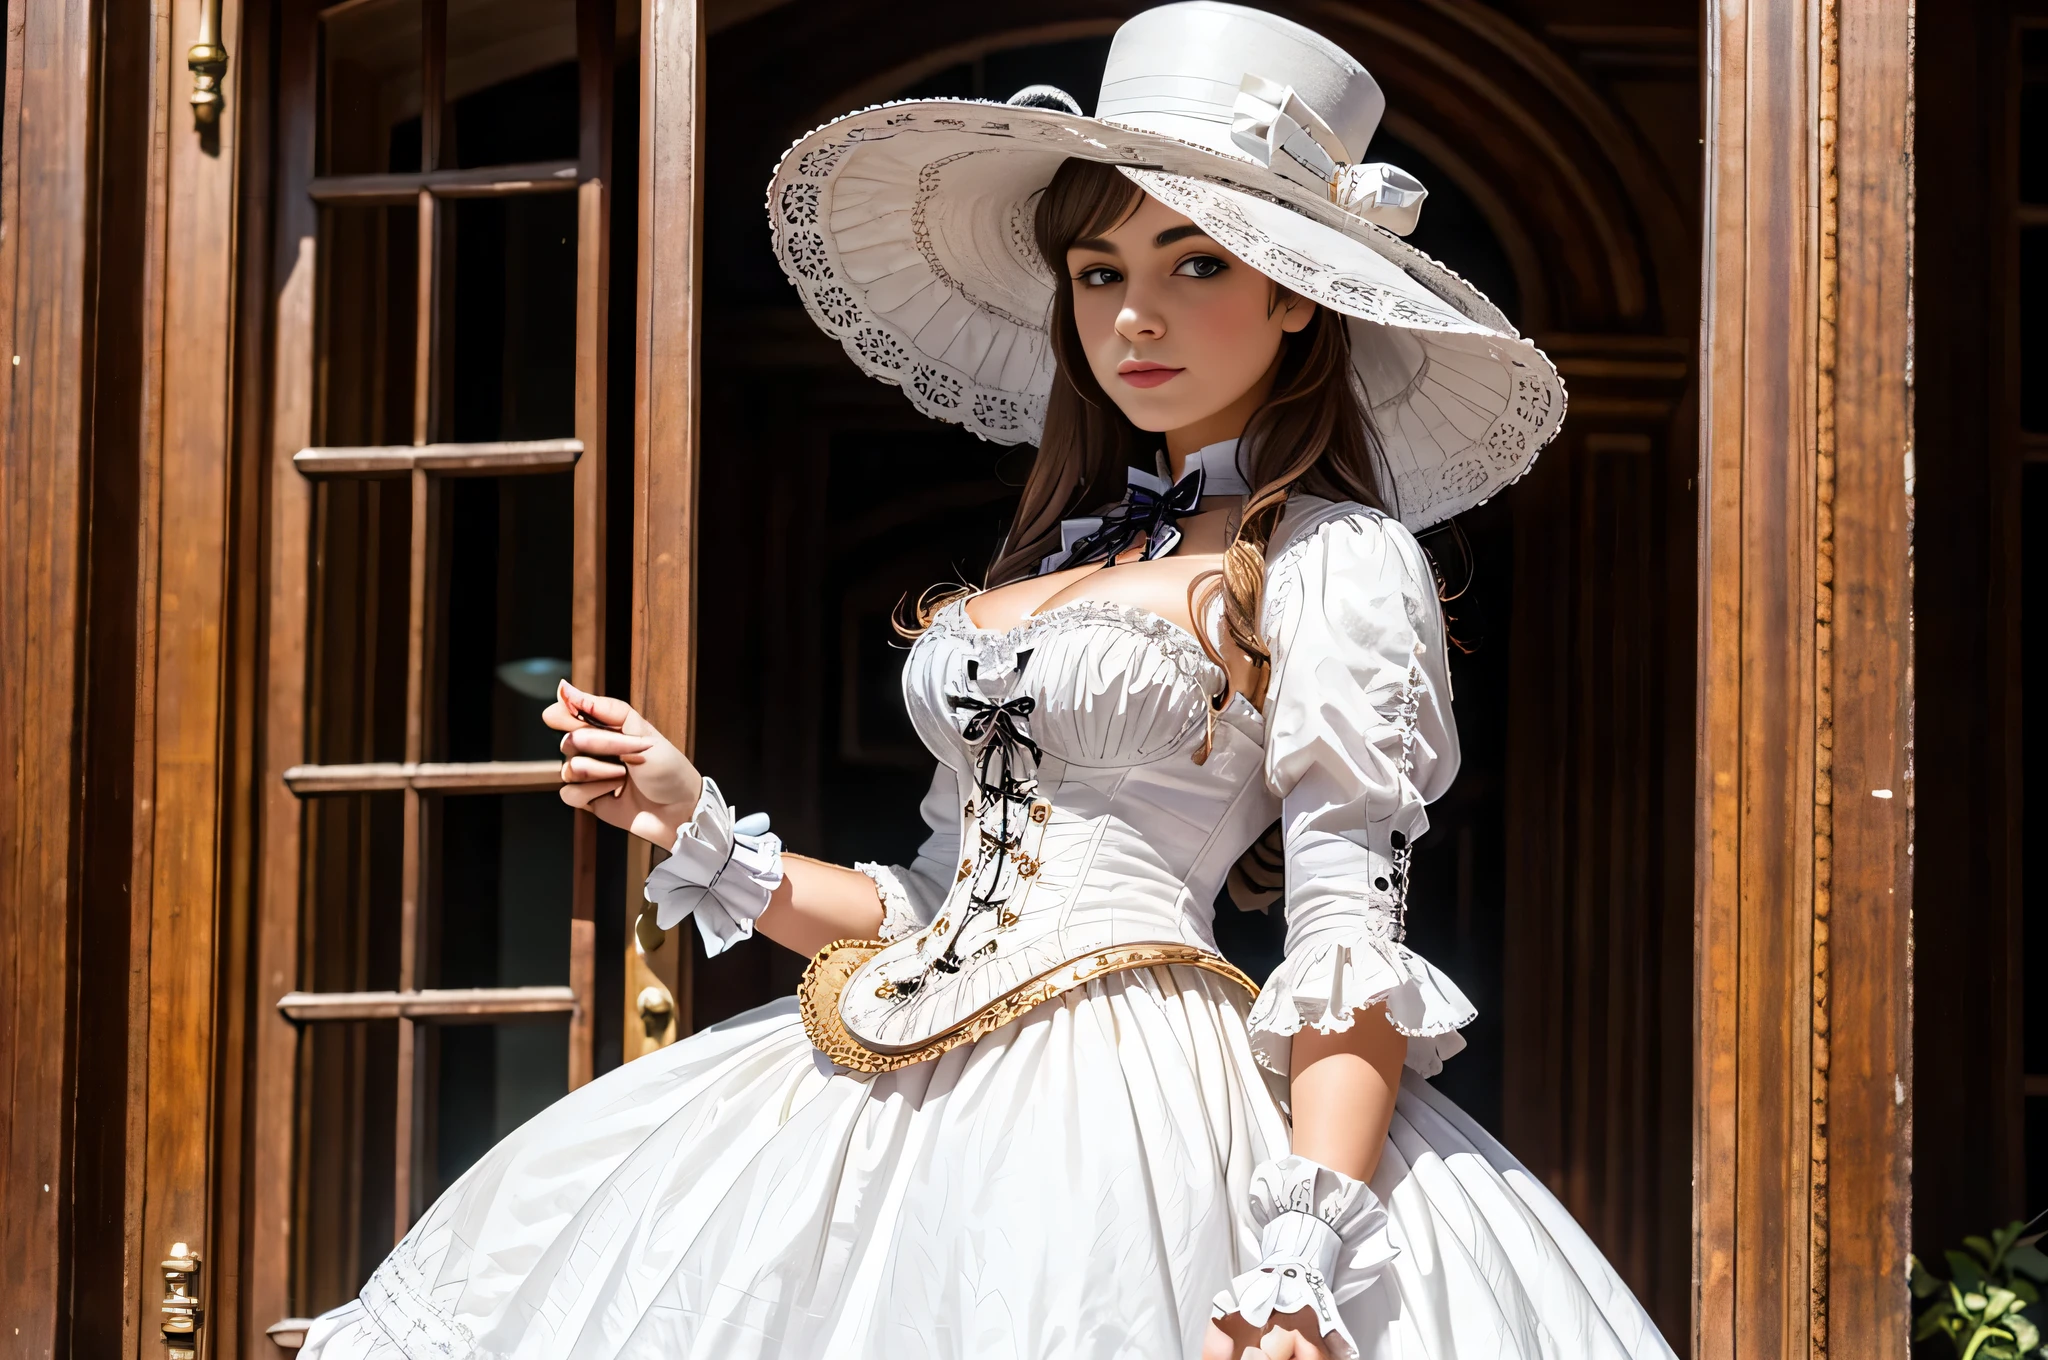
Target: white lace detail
966	340
899	917
1406	711
1535	410
1323	1241
398	1300
882	349
995	649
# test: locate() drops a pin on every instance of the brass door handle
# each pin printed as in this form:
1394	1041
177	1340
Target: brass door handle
209	63
181	1311
656	1008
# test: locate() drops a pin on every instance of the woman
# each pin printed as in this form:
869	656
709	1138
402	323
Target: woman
1022	1106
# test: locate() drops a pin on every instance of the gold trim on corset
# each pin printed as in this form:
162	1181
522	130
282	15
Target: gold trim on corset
834	965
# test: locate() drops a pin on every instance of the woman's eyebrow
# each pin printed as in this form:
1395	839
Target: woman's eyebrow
1180	233
1102	244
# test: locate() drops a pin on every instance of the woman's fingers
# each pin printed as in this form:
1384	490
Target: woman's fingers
595	741
583	795
602	708
590	770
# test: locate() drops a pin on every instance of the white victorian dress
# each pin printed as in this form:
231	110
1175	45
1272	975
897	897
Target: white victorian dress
1079	1178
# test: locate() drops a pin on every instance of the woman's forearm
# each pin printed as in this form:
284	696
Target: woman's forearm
1342	1092
819	903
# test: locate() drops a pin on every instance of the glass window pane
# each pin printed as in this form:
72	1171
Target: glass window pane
487	1080
2034	141
346	1145
2034	328
368	323
370	110
505	875
507	614
357	671
350	1083
2033	131
513	325
511	82
505	871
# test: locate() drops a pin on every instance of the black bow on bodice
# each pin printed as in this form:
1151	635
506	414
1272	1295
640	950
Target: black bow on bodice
996	724
1143	510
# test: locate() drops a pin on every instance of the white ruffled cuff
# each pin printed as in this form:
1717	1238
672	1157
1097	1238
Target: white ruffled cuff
1322	1241
720	872
899	915
1325	983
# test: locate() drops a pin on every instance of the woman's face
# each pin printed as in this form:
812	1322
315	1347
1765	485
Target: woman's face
1182	334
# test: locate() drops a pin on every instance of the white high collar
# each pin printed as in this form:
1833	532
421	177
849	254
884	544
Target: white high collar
1218	463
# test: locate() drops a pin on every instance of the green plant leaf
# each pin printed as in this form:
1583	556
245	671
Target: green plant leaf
2028	1260
1984	1250
2025	1334
2001	1302
1922	1281
1963	1269
2027	1292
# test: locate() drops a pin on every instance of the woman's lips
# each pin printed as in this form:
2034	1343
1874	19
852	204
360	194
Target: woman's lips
1146	375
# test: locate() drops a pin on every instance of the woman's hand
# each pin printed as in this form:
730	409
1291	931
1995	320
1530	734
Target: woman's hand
1286	1336
620	768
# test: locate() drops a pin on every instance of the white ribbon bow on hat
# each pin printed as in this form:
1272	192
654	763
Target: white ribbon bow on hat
1272	123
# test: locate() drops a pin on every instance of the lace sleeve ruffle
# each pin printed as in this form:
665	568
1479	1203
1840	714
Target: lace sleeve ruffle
718	873
899	914
1323	1241
1325	985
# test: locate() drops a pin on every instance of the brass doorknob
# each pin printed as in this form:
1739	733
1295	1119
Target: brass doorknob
656	1009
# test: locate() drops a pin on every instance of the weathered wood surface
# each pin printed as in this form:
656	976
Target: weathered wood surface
285	278
45	197
479	1004
501	458
665	423
1801	1059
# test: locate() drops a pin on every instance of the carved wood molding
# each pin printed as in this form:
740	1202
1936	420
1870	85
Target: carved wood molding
1804	782
1592	226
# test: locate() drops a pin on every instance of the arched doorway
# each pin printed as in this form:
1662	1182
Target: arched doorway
1566	845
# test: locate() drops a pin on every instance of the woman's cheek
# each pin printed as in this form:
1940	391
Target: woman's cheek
1234	335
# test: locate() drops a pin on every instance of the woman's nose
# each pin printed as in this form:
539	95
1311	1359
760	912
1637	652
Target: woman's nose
1138	322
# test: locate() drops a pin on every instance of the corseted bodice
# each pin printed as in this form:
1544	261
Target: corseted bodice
1085	821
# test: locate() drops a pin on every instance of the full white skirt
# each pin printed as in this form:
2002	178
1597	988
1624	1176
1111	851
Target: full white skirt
1072	1186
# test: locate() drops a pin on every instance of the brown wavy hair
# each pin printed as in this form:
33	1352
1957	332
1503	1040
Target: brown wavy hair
1314	432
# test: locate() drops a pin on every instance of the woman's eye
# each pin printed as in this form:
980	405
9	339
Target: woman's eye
1200	267
1099	275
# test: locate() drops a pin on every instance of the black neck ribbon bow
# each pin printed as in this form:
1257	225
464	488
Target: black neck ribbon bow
1149	510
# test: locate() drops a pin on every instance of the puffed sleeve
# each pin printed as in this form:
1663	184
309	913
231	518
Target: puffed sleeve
911	893
1359	737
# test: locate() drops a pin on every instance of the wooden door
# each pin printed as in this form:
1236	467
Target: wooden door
440	496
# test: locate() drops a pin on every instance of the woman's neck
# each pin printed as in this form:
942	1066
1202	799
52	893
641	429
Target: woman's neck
1226	424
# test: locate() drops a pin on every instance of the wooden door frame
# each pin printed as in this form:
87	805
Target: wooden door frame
129	620
1803	1039
1803	1060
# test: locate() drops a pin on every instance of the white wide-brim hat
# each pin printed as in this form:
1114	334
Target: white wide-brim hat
907	229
